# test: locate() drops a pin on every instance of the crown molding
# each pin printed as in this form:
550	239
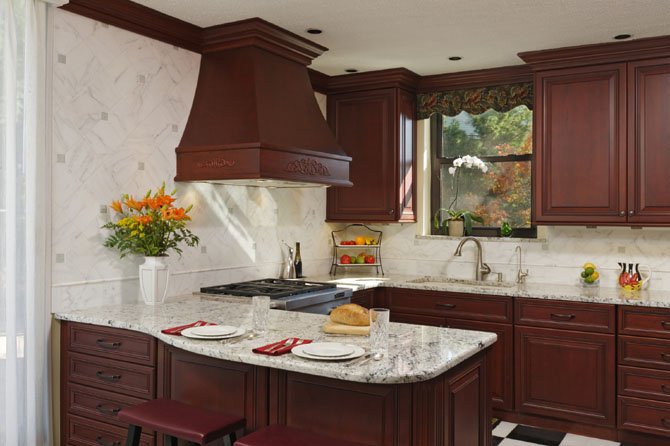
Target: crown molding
139	19
370	80
319	80
610	52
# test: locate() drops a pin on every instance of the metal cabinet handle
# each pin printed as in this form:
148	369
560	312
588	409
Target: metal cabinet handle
391	211
441	305
562	316
106	410
106	344
665	389
622	213
111	378
631	213
101	441
665	357
665	324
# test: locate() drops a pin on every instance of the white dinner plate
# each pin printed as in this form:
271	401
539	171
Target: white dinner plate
213	330
188	333
328	349
300	351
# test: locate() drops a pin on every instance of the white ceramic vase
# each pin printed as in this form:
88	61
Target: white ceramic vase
456	228
154	275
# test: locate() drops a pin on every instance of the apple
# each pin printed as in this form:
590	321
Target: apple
369	259
345	259
360	258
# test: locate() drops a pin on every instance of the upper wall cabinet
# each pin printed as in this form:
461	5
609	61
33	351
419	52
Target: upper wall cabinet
602	139
376	127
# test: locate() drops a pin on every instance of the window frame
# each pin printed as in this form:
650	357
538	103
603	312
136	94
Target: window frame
436	162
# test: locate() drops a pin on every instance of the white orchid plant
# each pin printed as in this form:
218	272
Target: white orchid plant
464	162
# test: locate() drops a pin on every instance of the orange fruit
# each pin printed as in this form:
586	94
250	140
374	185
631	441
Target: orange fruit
360	240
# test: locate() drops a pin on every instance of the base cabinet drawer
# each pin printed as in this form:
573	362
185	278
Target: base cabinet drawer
84	432
644	352
116	376
644	383
641	321
113	343
98	404
598	318
651	417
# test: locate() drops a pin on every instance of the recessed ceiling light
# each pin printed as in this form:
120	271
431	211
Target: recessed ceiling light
455	58
351	70
622	36
314	31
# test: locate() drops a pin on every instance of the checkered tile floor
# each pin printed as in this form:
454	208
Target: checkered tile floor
510	434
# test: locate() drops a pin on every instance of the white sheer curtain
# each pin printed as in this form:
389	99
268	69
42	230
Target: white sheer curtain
24	307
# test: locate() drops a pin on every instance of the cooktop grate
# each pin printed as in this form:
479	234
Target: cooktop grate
275	288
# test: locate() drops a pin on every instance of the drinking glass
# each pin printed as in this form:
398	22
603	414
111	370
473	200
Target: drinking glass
261	313
379	330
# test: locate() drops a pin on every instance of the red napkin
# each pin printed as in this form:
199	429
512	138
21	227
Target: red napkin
177	330
268	349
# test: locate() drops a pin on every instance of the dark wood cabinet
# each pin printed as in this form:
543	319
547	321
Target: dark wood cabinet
364	298
580	163
566	374
601	144
377	129
649	141
103	370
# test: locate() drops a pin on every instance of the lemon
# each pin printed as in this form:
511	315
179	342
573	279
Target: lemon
595	275
589	265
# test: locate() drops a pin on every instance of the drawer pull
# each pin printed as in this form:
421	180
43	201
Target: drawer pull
665	357
441	305
665	422
106	410
101	441
565	317
110	378
665	324
665	388
109	345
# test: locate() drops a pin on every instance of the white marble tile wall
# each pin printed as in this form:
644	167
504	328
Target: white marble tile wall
556	258
120	105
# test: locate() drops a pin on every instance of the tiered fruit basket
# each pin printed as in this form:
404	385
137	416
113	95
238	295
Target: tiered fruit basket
357	246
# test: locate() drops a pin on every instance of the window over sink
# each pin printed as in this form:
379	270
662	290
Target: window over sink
493	124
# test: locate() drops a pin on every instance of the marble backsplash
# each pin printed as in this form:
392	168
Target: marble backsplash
120	104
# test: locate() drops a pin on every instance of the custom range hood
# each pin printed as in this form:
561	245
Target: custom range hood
255	120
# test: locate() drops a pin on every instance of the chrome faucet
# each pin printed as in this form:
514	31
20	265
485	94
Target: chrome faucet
520	275
481	268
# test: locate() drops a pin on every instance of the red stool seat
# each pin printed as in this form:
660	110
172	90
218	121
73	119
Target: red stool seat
277	435
181	420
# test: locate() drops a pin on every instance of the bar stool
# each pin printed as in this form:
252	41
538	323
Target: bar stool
278	435
179	421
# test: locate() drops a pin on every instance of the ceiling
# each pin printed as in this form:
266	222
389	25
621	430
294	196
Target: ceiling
422	34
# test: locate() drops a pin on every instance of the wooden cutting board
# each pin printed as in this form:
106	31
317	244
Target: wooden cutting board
335	328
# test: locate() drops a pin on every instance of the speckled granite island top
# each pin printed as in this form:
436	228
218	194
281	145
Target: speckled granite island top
416	353
603	295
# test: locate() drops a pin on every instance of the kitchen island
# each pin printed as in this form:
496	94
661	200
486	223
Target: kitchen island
429	390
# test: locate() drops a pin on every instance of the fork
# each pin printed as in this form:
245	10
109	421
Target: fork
286	343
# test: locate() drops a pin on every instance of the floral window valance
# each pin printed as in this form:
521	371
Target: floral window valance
501	98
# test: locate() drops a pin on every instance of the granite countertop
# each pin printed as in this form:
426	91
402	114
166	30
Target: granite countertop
416	353
653	298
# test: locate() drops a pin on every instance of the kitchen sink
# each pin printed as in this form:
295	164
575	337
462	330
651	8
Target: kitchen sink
428	280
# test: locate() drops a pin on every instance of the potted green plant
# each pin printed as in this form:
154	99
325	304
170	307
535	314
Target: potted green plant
457	222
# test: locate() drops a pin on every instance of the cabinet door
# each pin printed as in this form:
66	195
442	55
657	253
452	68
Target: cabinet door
366	128
565	374
364	298
580	130
501	360
649	141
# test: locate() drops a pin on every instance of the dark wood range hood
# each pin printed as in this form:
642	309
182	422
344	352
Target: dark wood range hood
254	119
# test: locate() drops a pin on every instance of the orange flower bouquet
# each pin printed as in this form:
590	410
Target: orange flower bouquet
149	227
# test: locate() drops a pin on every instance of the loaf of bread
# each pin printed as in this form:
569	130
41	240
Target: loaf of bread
350	314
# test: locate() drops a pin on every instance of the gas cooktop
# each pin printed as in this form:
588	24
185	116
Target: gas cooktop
275	288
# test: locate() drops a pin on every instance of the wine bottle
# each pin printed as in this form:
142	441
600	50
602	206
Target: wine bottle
298	261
